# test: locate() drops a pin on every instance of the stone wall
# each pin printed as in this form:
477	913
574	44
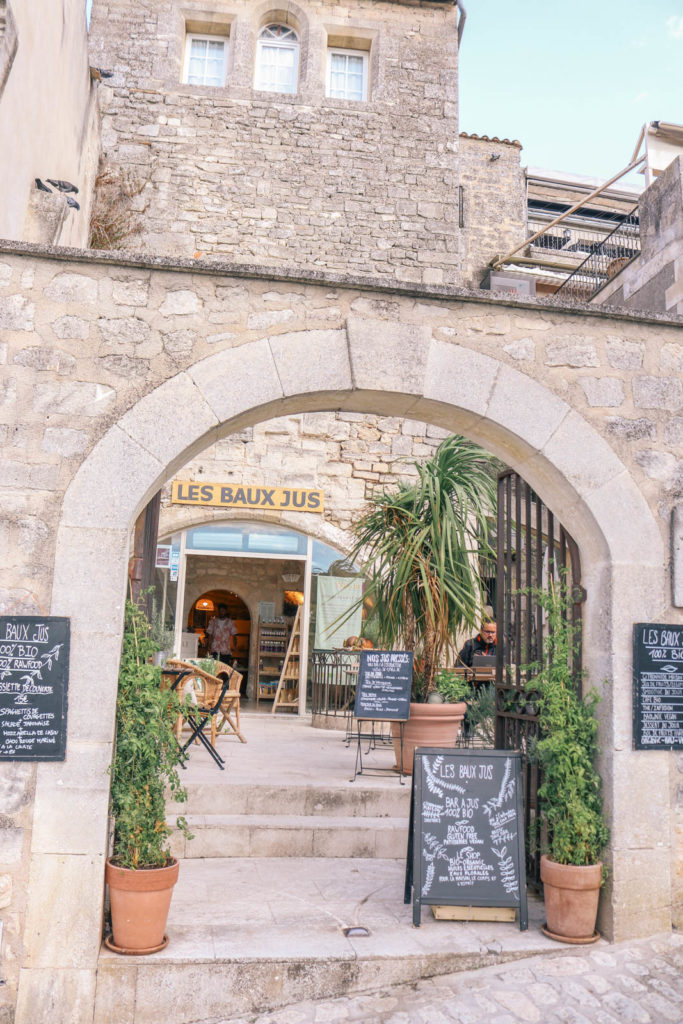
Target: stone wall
346	454
117	373
289	180
48	121
494	215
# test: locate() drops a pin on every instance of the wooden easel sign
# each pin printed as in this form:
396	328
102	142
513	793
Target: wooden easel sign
466	839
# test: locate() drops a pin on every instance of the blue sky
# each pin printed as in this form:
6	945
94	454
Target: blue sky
574	82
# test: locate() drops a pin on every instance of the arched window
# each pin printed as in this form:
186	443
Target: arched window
277	59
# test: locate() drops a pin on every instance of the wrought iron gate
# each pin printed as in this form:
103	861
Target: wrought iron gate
532	548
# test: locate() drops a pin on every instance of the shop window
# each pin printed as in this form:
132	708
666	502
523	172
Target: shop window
206	60
277	59
347	74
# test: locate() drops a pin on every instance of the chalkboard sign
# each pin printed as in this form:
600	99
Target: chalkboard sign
384	682
34	676
466	840
657	686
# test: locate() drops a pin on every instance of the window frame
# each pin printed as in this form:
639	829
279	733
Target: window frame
347	52
293	46
190	37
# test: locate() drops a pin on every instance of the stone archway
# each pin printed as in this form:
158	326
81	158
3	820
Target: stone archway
373	366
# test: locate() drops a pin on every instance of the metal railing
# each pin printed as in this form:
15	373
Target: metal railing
611	255
333	687
574	241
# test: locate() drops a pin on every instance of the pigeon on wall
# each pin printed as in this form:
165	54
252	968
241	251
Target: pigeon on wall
63	186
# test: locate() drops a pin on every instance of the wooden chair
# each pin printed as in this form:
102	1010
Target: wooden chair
209	688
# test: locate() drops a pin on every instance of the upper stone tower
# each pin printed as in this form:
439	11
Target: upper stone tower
317	135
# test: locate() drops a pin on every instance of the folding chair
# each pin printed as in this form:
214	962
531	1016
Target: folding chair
208	706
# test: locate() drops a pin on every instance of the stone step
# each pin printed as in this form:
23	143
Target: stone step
250	934
353	800
285	835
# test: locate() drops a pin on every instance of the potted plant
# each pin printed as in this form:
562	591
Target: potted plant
420	546
140	871
570	825
162	636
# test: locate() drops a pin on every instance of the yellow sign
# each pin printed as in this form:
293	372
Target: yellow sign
278	499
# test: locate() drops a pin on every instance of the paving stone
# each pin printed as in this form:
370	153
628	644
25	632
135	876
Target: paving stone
627	1009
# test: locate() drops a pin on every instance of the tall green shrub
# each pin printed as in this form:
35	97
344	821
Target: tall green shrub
420	546
570	797
146	755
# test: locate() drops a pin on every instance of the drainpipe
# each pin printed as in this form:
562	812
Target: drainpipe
461	20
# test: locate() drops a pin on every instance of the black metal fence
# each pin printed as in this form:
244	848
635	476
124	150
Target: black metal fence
532	548
333	688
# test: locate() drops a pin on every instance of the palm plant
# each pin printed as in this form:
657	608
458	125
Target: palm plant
420	545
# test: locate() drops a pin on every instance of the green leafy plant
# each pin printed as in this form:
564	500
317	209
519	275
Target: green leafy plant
146	755
161	635
571	824
452	686
420	545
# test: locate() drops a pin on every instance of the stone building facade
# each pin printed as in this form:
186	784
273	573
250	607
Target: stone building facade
302	279
276	179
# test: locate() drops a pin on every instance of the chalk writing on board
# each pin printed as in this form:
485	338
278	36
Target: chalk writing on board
34	655
658	686
384	683
475	846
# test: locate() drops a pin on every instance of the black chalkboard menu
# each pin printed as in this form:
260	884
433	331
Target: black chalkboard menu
384	682
34	677
657	686
466	839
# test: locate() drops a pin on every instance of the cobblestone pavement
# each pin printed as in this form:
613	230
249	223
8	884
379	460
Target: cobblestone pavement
637	982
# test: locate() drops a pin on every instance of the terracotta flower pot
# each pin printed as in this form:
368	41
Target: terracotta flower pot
140	901
571	900
429	725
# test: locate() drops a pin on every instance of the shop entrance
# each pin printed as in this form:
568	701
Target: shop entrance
269	578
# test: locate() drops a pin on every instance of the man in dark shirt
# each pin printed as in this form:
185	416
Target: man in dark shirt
483	643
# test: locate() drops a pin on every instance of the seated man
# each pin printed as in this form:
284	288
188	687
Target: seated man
483	643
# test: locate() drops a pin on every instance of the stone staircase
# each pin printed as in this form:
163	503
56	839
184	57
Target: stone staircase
287	855
293	820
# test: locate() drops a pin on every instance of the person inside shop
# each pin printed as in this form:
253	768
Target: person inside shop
220	631
483	643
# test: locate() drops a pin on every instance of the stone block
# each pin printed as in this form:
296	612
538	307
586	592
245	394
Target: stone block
673	430
237	380
179	342
267	320
677	557
115	996
120	332
64	441
573	350
45	359
182	435
671	358
48	996
312	361
182	302
525	408
73	398
16	786
5	274
68	287
64	920
630	538
71	801
113	483
607	392
93	680
624	355
658	393
523	350
11	844
578	451
661	466
17	313
631	430
132	292
67	327
90	578
388	357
